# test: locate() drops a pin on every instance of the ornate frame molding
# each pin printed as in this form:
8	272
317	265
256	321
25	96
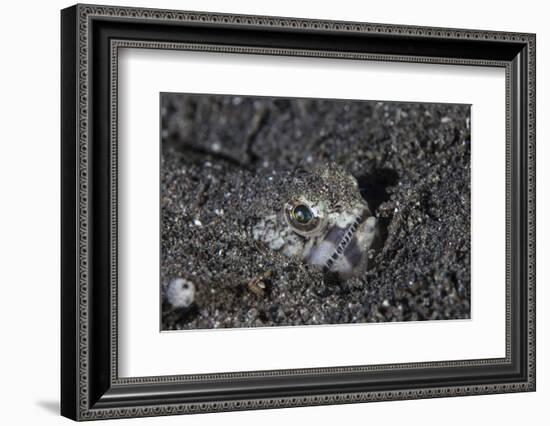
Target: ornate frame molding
79	21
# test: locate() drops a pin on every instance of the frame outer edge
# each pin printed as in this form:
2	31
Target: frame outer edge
531	214
69	253
83	177
83	12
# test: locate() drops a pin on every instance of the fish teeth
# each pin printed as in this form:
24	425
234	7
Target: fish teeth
344	242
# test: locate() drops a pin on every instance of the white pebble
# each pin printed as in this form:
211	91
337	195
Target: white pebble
180	293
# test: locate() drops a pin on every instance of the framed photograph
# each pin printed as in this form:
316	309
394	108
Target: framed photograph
263	212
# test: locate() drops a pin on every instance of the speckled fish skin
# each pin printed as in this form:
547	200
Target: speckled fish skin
344	228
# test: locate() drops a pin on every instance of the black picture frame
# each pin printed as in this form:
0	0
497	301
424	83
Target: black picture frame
90	386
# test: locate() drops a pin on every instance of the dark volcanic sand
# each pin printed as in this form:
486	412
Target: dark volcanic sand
412	162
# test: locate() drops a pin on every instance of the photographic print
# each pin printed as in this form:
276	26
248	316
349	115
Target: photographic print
297	212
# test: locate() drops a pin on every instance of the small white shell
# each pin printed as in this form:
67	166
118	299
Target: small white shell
180	293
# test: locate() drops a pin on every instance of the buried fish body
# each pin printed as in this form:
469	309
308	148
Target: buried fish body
321	218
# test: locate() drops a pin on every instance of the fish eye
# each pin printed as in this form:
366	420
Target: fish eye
303	218
302	214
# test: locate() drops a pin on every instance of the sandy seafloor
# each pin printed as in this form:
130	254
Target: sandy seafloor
218	159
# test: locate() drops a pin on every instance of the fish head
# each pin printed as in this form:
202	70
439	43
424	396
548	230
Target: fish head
321	218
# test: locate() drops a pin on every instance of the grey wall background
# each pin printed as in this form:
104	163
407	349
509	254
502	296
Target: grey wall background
29	217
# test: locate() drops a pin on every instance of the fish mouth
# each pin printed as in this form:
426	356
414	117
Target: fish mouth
345	241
